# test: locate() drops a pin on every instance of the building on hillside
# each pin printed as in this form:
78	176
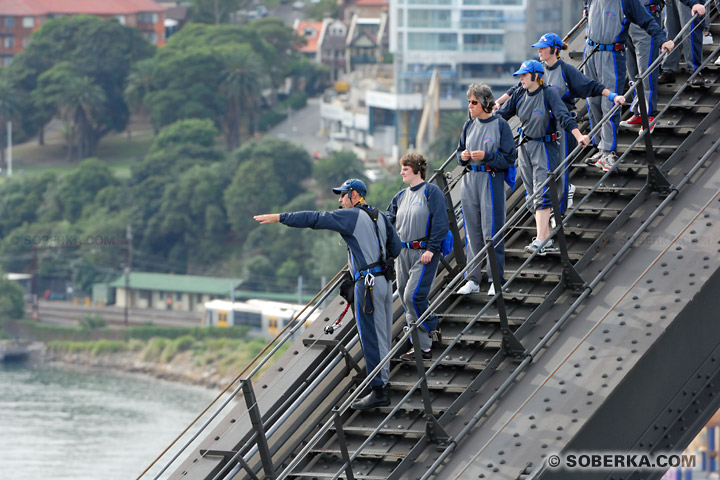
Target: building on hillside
188	293
20	18
363	9
333	51
367	41
311	32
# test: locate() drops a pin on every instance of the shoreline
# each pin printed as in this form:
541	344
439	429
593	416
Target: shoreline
180	370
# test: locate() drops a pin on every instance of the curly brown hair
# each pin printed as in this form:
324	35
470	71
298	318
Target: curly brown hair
417	162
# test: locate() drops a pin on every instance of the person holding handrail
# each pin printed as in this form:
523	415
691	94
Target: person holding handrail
608	23
677	14
419	213
372	244
487	151
540	111
570	85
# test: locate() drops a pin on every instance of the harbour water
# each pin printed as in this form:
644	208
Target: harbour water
80	424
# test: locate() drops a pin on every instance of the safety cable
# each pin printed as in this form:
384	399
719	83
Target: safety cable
328	288
455	281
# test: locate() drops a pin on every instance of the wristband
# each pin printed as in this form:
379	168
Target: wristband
611	96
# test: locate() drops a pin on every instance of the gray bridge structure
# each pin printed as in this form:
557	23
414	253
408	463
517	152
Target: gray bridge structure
611	344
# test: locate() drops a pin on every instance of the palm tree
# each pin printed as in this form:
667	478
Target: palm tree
9	108
80	103
242	81
448	134
140	82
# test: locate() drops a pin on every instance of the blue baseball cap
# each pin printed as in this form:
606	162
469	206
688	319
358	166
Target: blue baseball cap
549	40
530	66
350	185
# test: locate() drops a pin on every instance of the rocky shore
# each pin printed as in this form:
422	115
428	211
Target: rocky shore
181	369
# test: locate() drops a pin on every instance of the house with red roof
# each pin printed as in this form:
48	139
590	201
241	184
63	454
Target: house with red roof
19	18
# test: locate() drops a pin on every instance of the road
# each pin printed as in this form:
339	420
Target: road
303	128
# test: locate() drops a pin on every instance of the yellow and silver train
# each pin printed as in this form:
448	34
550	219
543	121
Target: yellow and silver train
263	315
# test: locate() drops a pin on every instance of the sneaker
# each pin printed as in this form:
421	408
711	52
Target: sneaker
652	126
409	356
491	291
717	61
470	287
553	223
707	38
594	159
535	246
571	194
698	81
608	161
378	397
666	76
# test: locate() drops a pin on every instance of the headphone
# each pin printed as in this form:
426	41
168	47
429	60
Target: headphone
488	104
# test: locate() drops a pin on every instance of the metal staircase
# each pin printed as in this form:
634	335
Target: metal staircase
295	421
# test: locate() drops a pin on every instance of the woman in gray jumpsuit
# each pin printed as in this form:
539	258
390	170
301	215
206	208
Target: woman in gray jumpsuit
542	113
419	213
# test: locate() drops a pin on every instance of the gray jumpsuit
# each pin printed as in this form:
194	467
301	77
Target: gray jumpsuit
540	113
607	31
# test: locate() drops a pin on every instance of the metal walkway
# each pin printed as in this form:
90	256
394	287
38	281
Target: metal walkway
549	344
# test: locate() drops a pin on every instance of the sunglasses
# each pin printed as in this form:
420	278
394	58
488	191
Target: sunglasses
342	194
473	102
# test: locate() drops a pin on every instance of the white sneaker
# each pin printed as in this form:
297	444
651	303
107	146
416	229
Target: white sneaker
595	158
717	61
470	287
571	194
707	39
608	161
491	291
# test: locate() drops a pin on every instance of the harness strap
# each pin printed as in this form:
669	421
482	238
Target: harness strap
415	245
607	47
547	138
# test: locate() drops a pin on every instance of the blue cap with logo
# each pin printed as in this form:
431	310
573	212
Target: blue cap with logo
350	185
530	66
549	40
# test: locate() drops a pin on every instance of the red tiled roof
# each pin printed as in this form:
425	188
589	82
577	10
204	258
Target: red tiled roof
312	42
93	7
371	3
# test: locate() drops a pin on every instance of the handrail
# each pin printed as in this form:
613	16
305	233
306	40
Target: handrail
455	281
432	308
324	292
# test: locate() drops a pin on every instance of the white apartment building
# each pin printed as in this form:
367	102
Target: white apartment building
466	41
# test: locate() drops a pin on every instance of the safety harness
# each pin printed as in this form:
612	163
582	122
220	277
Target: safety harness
380	267
606	47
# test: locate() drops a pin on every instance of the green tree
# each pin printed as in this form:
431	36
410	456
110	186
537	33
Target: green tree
187	85
214	11
332	170
99	49
253	190
80	102
288	162
12	303
140	82
79	188
10	107
448	135
242	81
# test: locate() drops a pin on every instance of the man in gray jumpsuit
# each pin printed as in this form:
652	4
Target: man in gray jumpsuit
369	242
607	30
642	51
677	14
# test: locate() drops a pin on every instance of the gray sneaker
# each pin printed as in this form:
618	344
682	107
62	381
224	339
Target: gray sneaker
608	161
595	158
